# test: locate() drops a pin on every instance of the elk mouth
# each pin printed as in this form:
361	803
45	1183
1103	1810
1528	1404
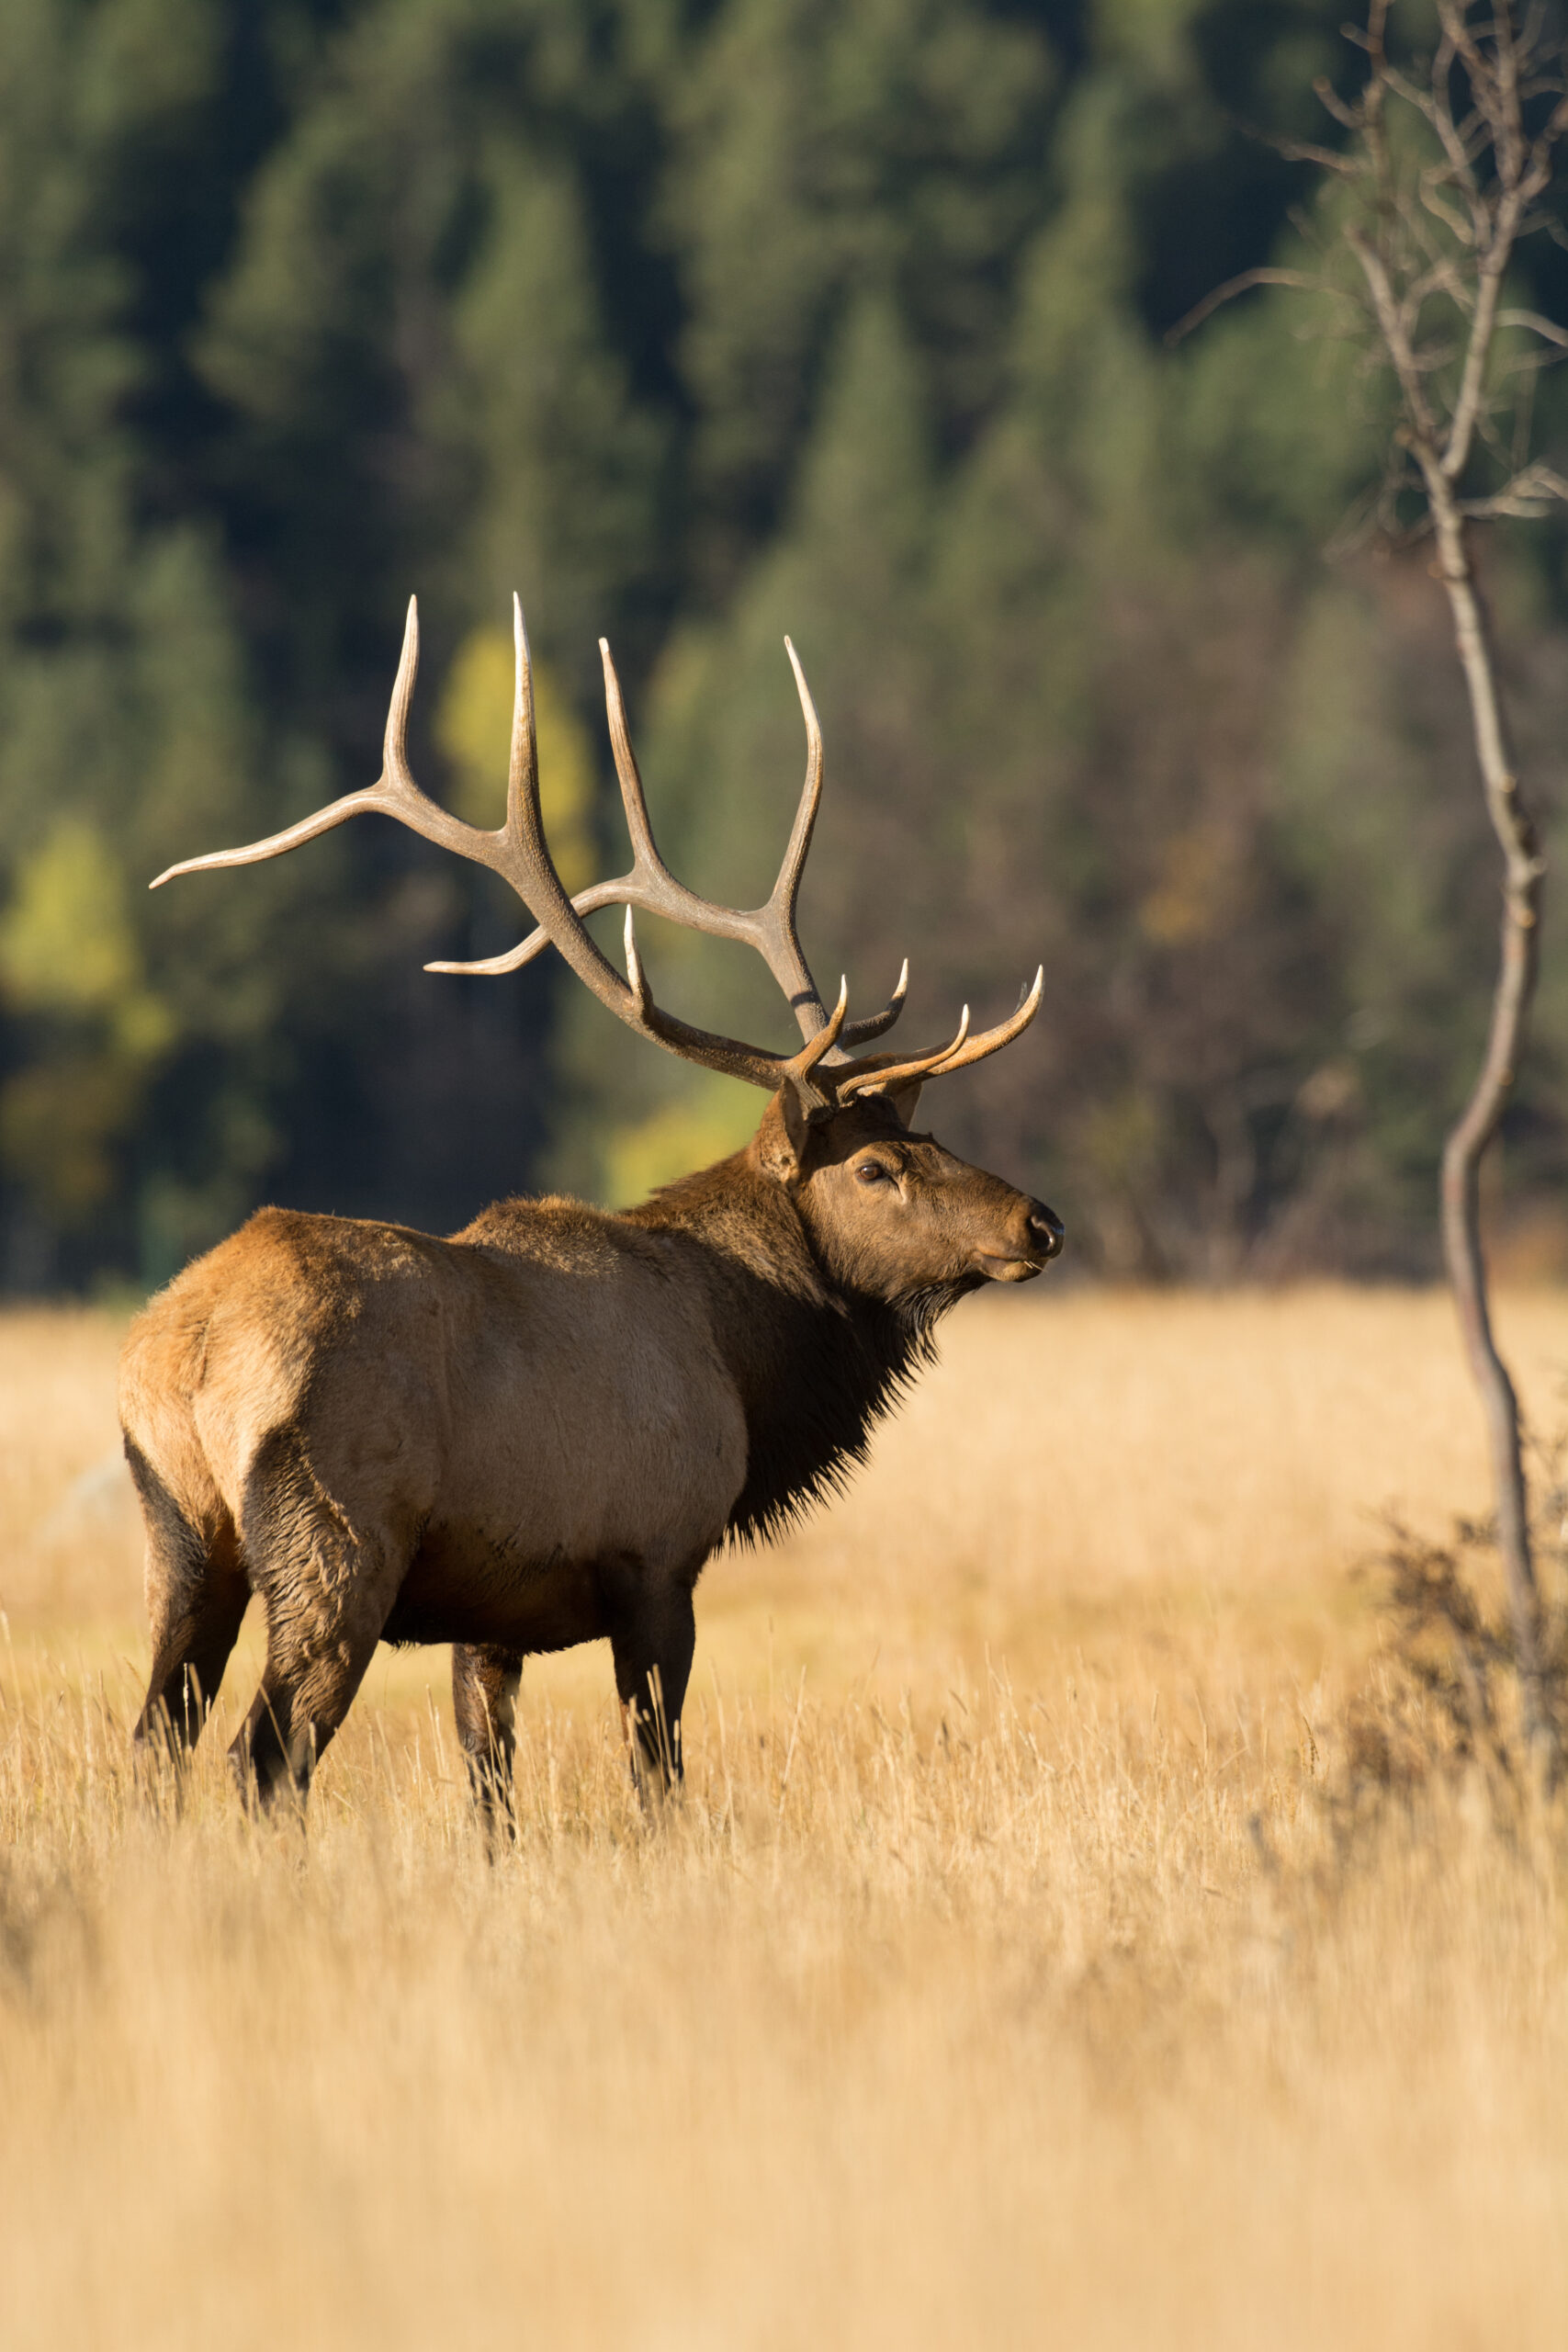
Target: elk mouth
999	1269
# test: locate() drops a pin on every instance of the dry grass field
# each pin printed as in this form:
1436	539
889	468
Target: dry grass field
1021	1966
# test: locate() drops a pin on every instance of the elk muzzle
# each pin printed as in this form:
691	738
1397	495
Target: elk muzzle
1032	1236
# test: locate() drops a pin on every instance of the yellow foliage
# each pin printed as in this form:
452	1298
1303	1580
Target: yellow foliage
67	948
708	1123
66	944
473	729
65	939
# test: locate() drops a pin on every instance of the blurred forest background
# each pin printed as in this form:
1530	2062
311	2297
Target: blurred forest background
696	320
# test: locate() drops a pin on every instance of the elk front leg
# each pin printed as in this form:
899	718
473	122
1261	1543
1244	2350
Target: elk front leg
652	1634
485	1679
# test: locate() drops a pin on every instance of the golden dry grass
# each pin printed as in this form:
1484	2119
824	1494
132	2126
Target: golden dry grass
1005	1974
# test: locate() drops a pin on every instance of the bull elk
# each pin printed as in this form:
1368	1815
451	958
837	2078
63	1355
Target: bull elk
537	1432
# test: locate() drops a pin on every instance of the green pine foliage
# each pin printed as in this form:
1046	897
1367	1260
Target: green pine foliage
698	324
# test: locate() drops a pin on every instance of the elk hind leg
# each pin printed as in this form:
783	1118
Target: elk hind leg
196	1595
327	1587
652	1634
485	1680
316	1660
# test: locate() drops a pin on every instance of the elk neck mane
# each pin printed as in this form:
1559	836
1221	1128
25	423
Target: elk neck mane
816	1366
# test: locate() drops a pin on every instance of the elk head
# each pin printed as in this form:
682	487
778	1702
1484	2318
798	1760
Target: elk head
892	1216
837	1132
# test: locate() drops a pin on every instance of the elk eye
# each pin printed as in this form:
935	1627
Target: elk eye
872	1171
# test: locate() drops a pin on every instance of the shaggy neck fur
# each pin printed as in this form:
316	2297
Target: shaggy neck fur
816	1366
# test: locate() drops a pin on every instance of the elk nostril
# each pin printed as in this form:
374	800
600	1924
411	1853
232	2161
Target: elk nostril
1048	1229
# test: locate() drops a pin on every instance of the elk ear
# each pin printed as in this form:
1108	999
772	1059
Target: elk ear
904	1099
780	1142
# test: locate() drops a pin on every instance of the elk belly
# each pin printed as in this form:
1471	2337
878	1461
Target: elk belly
461	1590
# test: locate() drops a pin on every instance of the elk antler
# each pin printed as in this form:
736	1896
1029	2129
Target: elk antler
883	1071
821	1073
770	928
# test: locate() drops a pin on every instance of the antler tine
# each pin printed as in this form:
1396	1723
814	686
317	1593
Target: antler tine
991	1041
816	1097
918	1066
875	1024
780	914
394	794
521	797
524	815
646	860
787	887
394	735
490	967
957	1055
634	973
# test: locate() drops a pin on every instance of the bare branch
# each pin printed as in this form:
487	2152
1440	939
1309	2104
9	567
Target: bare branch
1327	97
1463	230
1532	491
1299	279
1391	324
1327	159
1535	324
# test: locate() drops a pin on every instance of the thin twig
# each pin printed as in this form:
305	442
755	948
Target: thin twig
1242	285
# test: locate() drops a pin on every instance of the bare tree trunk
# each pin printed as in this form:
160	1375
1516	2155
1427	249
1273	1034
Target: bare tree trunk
1436	229
1468	1140
1442	450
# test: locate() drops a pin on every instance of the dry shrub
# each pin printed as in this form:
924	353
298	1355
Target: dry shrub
1446	1696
